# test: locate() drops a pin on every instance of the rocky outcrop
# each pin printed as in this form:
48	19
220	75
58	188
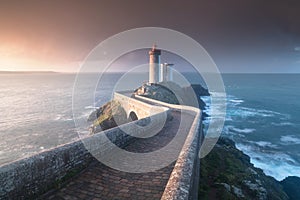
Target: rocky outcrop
170	92
226	173
199	91
291	186
157	92
107	116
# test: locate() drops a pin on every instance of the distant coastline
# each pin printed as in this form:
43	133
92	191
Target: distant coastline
116	72
28	72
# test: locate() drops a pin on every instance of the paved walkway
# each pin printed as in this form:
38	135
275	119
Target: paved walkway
101	182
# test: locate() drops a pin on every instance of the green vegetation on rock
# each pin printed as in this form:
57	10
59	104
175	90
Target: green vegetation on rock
226	173
107	116
157	92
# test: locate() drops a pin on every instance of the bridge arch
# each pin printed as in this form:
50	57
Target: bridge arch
132	116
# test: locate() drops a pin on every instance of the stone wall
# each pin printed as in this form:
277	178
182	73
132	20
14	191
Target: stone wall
184	179
29	177
141	109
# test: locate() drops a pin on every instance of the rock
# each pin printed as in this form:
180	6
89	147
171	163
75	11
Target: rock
291	186
95	114
237	192
157	92
170	92
107	116
227	165
261	192
199	90
226	186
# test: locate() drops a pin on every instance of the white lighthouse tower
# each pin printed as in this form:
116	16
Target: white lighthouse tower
154	64
166	72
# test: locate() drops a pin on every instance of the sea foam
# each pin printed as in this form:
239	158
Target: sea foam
239	130
277	165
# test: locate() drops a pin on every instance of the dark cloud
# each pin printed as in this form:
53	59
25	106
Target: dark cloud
239	35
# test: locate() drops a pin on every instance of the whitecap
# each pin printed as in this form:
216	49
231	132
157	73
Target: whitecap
282	124
68	119
252	112
90	107
289	139
58	117
277	170
239	130
236	100
218	94
275	164
266	144
85	115
61	117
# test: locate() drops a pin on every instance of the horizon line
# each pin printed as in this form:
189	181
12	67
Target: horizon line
74	72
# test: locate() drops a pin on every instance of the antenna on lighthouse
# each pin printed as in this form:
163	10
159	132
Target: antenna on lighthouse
154	46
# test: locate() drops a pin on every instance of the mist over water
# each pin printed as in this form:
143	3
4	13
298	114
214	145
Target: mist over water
263	115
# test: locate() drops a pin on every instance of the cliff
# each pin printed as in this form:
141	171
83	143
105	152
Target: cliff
291	186
107	116
226	173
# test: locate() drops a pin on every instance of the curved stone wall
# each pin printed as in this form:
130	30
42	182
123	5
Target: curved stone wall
29	177
26	178
184	179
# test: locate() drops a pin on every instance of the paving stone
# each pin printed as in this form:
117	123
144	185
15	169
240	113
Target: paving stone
98	181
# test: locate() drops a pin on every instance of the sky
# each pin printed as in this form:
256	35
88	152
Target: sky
256	36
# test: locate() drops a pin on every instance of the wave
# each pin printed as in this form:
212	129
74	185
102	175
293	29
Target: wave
266	144
91	107
235	110
273	163
236	100
218	94
263	154
85	114
283	124
61	117
240	130
289	140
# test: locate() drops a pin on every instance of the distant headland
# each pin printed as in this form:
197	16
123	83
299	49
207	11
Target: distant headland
28	72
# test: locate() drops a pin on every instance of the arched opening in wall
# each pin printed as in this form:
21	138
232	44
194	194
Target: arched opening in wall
132	116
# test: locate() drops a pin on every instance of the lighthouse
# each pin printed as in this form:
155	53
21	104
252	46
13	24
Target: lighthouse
154	64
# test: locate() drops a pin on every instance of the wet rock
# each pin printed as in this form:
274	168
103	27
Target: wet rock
227	165
291	186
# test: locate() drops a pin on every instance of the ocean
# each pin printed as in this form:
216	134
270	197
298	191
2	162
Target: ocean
263	118
263	115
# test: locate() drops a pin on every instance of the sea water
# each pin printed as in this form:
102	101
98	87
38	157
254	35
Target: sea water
36	111
263	118
263	115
